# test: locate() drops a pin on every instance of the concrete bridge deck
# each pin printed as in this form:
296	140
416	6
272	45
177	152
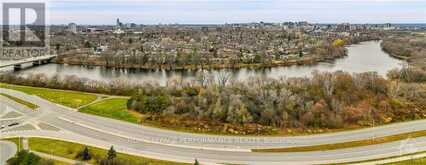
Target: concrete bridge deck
34	60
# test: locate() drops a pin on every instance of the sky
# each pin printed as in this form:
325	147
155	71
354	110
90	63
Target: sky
235	11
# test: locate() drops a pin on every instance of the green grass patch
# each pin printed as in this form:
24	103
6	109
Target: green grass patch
115	108
71	99
344	145
20	101
70	150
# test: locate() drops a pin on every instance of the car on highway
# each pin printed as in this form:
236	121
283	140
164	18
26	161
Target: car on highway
13	124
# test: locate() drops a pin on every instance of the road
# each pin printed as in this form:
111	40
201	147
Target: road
27	60
210	149
7	151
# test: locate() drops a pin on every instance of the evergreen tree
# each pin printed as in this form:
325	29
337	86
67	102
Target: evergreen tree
111	153
24	158
196	162
300	53
85	155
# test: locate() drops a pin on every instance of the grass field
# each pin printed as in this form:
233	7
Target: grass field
115	108
68	98
70	150
20	101
352	144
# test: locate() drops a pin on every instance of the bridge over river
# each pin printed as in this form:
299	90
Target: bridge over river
17	64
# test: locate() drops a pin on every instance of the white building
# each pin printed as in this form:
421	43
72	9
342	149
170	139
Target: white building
118	31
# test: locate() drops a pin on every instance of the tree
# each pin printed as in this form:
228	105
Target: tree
57	47
238	112
111	153
88	44
338	43
85	154
223	78
258	58
196	162
25	158
218	111
153	103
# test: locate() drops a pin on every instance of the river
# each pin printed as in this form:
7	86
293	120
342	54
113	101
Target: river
363	57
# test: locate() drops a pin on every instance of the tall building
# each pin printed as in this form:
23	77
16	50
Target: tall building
119	24
72	27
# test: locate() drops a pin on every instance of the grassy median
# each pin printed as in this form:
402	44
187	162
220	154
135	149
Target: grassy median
70	150
335	146
420	161
115	108
20	101
68	98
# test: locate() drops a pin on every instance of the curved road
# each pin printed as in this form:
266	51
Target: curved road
7	151
170	145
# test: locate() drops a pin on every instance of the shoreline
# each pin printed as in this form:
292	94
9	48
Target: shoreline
308	61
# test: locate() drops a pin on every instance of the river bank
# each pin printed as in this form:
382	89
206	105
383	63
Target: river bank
408	47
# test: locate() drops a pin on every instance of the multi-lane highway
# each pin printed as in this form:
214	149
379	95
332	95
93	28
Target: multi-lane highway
185	147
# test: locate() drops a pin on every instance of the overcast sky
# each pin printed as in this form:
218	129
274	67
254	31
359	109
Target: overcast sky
236	11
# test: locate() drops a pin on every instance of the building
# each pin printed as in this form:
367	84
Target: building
118	31
94	30
72	27
118	23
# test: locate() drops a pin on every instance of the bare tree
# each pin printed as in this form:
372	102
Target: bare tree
222	78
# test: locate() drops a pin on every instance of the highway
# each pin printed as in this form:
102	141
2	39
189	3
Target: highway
7	151
208	149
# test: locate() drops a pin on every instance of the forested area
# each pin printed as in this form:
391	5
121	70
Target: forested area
412	48
260	105
409	46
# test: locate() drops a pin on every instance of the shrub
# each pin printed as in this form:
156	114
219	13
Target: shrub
84	154
407	74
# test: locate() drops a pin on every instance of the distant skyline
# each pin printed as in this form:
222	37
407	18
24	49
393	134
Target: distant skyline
105	12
